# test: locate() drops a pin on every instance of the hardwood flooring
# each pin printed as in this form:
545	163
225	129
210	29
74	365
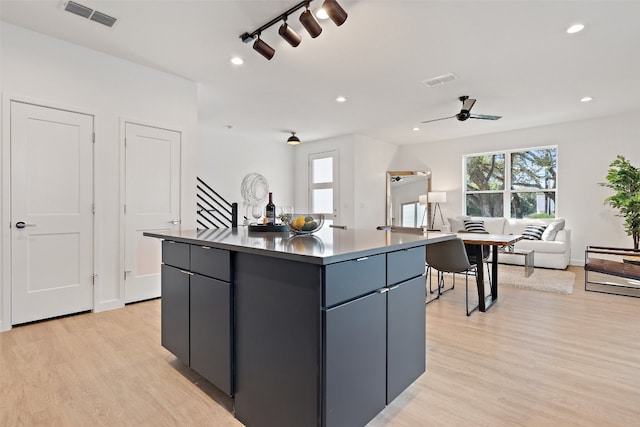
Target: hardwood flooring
534	359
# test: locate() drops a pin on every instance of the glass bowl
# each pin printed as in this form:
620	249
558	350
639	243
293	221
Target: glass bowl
304	244
305	223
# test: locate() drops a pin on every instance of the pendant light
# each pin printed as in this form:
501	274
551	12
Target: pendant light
293	139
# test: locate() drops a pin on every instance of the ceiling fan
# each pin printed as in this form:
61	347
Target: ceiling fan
465	112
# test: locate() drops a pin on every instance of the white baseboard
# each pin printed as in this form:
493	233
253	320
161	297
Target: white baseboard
108	305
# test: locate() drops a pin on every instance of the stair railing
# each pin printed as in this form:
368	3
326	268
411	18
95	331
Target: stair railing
213	211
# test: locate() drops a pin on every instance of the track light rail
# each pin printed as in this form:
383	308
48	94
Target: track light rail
248	37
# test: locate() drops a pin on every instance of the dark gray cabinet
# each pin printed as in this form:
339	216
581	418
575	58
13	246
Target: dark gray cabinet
406	332
297	343
197	310
355	361
374	345
175	312
211	330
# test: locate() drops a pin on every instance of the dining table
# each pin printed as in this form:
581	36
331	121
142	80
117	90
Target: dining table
495	241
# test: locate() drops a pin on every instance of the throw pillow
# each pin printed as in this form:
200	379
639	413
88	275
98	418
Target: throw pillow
474	226
533	232
552	230
456	223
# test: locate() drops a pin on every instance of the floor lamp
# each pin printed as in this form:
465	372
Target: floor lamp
437	197
422	200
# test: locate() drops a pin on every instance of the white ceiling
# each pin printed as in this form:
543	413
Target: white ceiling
514	57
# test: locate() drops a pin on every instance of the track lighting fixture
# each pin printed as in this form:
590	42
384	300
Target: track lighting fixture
287	33
307	19
310	23
293	139
335	11
263	48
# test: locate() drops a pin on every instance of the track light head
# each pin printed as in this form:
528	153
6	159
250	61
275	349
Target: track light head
287	33
310	23
293	139
263	48
335	11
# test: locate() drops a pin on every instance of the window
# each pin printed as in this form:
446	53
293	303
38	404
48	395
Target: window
323	184
516	184
413	215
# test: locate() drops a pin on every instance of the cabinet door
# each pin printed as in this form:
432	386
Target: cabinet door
175	312
406	328
211	330
355	356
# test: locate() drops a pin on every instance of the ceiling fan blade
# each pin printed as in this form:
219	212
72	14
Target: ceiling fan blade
467	105
436	120
484	117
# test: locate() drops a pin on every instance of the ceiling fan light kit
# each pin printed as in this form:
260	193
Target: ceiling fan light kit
465	112
307	19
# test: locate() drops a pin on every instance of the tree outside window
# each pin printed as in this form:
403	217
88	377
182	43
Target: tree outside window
527	191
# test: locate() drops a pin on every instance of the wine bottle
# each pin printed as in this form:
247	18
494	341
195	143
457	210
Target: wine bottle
270	211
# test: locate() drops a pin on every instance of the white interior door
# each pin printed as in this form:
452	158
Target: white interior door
152	203
51	212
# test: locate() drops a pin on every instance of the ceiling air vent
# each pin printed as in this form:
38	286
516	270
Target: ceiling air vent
78	9
435	81
87	12
103	19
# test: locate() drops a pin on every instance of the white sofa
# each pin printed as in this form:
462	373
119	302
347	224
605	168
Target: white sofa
552	251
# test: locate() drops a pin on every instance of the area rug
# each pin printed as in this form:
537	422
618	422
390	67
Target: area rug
557	281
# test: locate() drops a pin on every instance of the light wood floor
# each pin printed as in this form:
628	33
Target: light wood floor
534	359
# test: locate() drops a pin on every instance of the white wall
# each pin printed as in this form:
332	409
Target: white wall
55	73
224	159
371	163
362	174
585	150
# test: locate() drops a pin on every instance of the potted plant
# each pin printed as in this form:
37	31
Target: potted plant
624	179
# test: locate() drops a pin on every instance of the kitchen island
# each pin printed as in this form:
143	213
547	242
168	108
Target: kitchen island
320	330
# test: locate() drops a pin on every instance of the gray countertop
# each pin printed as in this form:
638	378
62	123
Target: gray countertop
326	246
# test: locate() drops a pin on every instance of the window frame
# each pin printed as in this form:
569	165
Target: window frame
334	185
507	190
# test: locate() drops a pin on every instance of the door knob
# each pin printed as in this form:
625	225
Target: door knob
174	221
21	224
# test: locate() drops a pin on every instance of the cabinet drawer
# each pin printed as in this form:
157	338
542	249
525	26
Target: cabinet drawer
175	254
211	262
405	264
350	279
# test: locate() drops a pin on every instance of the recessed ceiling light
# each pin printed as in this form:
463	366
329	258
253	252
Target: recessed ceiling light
236	60
416	129
586	99
321	14
341	99
575	28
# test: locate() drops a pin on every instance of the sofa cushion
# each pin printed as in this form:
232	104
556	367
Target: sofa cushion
474	226
534	232
457	224
540	246
494	225
552	229
518	225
